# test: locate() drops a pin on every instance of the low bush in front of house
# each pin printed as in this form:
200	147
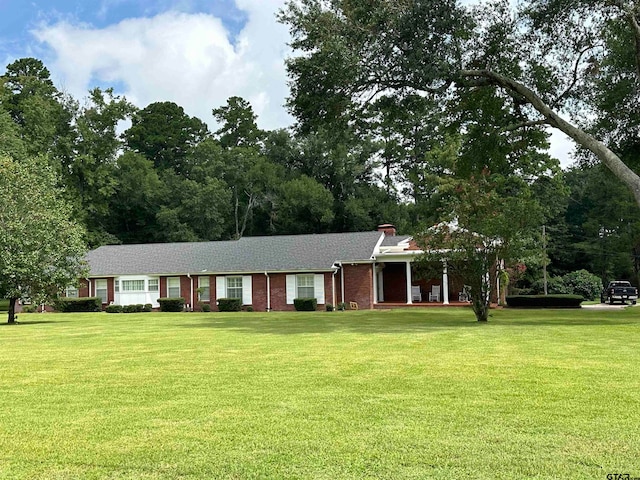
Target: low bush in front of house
85	304
229	304
171	304
545	301
305	304
206	307
114	309
147	307
130	309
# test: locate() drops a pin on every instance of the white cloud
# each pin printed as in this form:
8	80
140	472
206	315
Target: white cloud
189	59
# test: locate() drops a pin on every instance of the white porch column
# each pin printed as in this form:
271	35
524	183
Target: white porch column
445	283
409	296
374	272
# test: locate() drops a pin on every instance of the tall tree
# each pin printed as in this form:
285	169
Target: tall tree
39	109
238	127
165	134
541	58
42	248
91	176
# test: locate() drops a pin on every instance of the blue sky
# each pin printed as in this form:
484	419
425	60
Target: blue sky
196	53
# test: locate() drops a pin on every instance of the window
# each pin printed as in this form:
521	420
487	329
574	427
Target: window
116	286
154	285
205	293
234	287
305	285
173	287
71	292
133	285
101	290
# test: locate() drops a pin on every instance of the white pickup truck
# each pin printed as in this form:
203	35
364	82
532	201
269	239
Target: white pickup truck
619	291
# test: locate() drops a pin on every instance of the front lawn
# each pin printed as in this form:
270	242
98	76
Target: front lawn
386	394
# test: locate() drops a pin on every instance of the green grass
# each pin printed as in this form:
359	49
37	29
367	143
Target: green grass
4	305
389	395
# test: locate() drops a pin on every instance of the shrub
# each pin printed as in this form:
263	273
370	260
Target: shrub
305	304
147	307
29	308
342	306
113	309
171	304
583	283
85	304
206	307
130	309
545	301
229	304
329	307
249	308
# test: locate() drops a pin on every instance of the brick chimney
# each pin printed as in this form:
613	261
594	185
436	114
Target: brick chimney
387	228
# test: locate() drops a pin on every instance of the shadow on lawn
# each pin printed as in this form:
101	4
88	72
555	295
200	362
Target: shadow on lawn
20	323
321	323
398	322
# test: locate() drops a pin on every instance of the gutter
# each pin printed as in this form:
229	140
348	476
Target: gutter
191	292
266	274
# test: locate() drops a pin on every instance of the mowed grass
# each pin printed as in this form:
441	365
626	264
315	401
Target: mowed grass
385	394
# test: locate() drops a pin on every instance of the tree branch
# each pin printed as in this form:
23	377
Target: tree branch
606	156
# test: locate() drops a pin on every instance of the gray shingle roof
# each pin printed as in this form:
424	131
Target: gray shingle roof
249	254
393	240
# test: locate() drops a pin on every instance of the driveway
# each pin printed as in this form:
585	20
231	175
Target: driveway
606	306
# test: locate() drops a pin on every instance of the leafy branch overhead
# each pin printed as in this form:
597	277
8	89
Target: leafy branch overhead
548	59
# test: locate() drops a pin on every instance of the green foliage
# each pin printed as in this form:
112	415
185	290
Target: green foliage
29	308
171	304
86	304
114	308
4	304
229	304
305	304
42	248
165	134
342	306
580	282
147	307
206	307
249	308
545	301
129	309
329	307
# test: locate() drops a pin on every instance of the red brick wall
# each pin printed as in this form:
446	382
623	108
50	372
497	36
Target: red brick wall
279	292
358	285
395	282
83	291
163	287
259	292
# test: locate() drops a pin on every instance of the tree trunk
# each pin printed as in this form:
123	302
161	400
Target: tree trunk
550	117
12	310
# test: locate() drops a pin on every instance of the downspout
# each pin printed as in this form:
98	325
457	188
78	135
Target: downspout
266	274
333	286
191	291
341	281
89	284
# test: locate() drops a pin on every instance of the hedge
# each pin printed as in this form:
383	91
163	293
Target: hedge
171	304
305	304
229	304
85	304
113	309
545	301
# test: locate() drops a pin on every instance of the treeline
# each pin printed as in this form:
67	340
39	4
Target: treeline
165	177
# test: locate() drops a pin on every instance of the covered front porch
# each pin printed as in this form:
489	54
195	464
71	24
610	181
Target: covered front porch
396	284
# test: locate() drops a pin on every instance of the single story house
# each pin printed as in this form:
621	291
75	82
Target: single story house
371	269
